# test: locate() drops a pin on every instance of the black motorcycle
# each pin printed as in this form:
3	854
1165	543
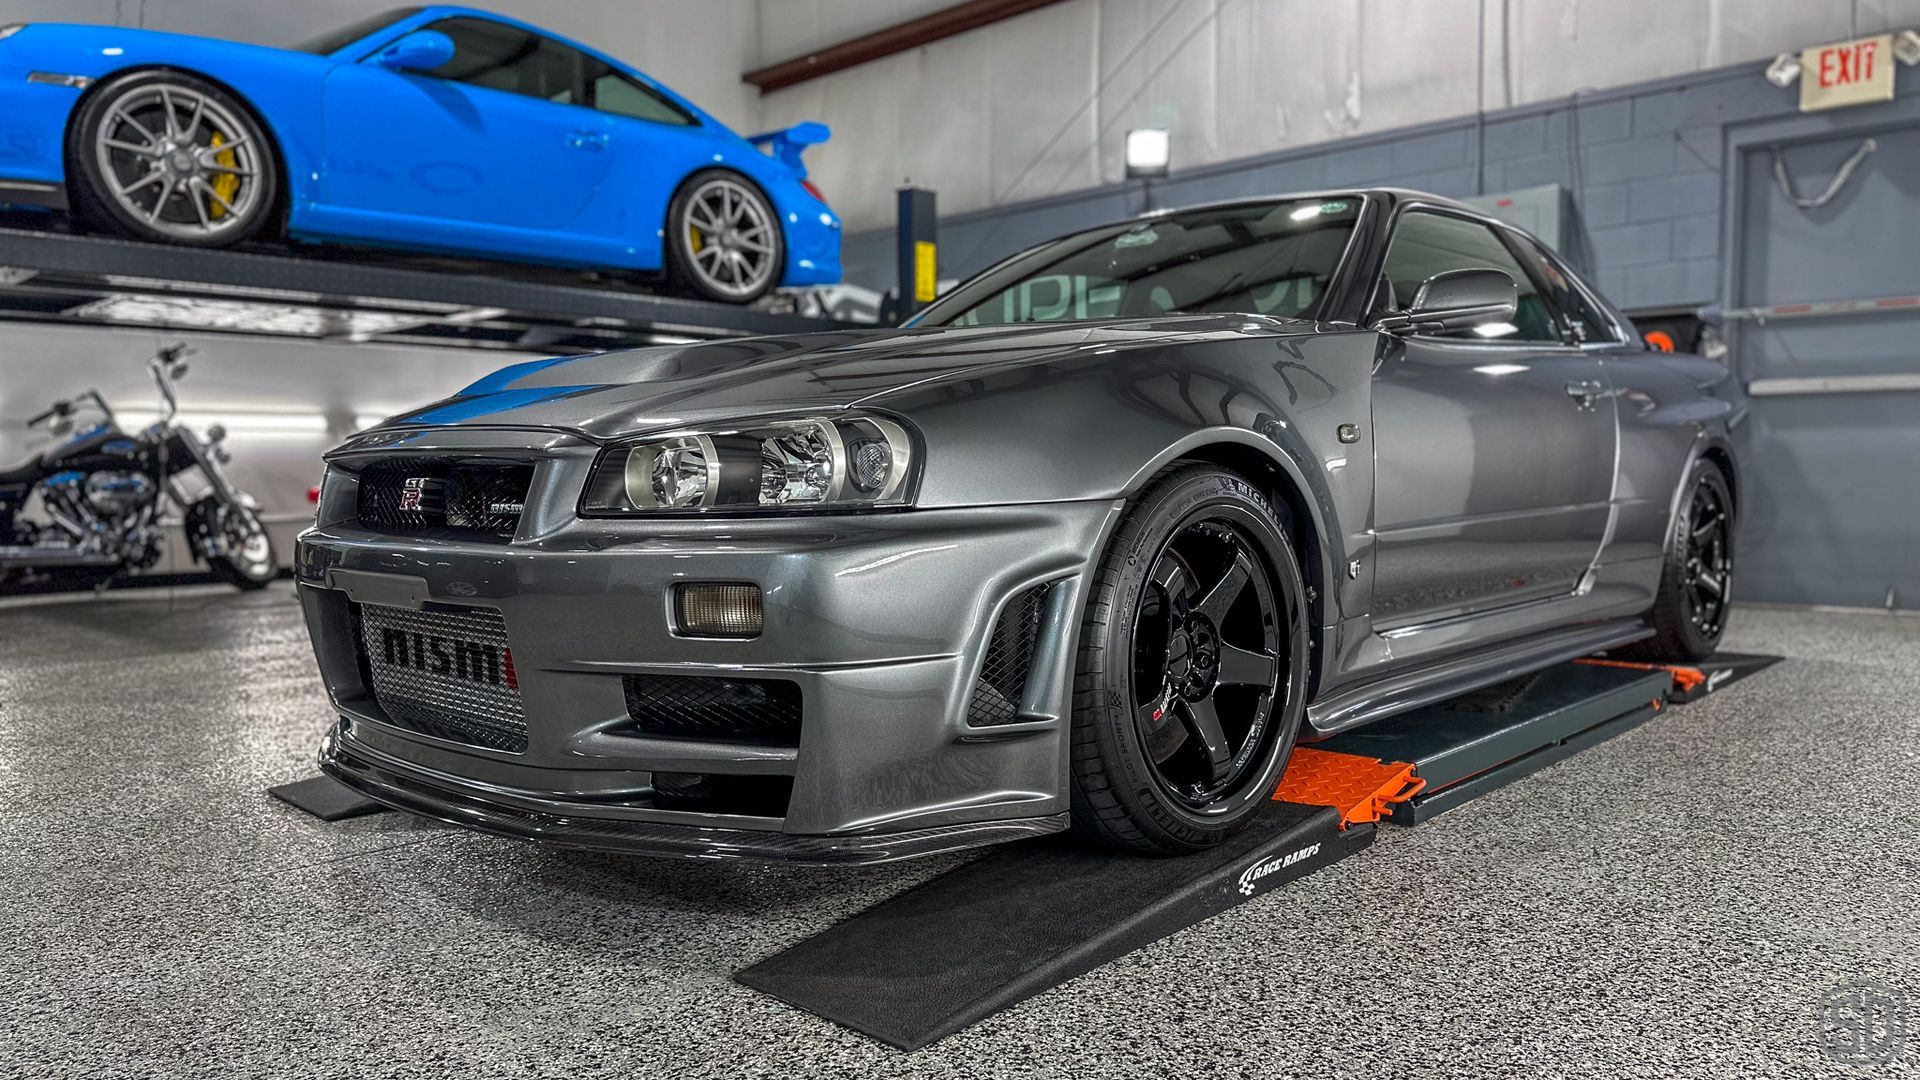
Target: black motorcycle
100	497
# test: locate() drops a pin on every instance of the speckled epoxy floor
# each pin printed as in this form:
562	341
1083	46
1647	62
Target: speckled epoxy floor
1674	902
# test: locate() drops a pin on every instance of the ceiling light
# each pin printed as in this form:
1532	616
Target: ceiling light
1306	213
1148	152
1784	70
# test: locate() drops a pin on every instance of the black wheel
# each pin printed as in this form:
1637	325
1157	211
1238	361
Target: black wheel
1192	668
163	156
723	239
1696	584
238	549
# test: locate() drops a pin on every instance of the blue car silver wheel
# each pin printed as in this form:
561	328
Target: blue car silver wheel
167	157
725	239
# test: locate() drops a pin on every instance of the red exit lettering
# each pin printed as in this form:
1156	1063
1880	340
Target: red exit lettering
1844	65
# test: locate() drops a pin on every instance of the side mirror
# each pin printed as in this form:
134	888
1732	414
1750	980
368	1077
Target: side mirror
422	50
1456	300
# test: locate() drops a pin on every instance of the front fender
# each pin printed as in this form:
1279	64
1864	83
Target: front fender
282	87
1098	424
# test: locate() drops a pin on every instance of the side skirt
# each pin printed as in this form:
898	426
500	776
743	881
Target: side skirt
1405	690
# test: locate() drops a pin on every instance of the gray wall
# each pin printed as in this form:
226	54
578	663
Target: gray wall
1643	163
1039	105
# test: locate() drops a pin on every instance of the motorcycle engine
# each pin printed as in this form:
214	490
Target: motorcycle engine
112	494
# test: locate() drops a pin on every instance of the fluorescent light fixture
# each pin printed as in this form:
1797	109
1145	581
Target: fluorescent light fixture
1149	150
1502	369
252	422
1784	70
1495	329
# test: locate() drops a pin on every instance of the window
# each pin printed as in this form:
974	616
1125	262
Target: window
1425	244
612	92
1267	259
502	57
1584	319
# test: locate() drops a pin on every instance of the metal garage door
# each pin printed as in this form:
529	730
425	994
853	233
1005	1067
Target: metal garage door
1832	467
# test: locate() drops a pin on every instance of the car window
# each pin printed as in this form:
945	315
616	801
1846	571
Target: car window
613	92
1267	259
1582	316
502	57
1425	244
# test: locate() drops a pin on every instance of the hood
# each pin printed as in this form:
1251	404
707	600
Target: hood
638	391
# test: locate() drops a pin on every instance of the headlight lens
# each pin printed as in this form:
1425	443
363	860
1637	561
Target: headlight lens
840	462
10	30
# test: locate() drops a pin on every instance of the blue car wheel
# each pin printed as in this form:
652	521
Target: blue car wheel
723	238
164	156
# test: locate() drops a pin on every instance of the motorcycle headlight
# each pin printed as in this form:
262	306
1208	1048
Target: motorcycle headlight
811	463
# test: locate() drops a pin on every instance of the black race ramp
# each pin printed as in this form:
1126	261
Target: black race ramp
325	798
1028	917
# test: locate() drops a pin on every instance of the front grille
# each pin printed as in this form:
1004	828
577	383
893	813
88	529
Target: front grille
444	673
1009	659
453	498
763	711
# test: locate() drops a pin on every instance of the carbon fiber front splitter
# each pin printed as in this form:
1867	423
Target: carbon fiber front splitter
415	796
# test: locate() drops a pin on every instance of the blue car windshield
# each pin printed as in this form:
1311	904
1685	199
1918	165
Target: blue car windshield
1273	259
334	40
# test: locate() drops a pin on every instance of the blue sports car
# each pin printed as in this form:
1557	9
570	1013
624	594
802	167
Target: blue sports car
435	129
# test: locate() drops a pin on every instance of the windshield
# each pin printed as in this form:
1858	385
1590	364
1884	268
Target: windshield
1272	259
334	40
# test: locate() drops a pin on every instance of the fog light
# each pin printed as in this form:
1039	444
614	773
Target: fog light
717	611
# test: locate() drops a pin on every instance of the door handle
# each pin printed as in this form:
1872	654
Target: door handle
1585	391
587	140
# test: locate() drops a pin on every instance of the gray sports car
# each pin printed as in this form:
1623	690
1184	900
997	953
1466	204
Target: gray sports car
1091	543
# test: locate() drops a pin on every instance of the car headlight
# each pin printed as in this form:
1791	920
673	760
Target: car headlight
11	29
811	463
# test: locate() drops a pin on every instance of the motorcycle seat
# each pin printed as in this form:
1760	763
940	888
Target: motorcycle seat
21	473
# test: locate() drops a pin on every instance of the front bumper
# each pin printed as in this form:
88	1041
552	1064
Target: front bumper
883	622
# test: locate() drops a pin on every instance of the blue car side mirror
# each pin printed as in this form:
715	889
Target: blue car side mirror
422	50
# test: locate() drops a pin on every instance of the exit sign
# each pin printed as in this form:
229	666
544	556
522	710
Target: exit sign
1846	73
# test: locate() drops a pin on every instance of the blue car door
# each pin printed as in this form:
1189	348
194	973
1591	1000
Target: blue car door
653	144
489	145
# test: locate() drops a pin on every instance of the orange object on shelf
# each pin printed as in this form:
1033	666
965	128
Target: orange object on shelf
1684	678
1361	788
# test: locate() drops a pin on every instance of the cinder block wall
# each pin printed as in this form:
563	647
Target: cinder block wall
1643	163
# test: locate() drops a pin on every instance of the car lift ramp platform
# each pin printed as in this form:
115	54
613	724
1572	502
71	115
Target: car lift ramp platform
1025	917
1029	916
350	295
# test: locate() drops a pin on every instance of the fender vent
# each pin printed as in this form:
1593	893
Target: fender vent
1009	659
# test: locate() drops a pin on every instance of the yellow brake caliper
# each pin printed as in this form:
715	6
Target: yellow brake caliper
225	184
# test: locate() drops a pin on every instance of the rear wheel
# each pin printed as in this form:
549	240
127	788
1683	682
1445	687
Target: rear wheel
1696	584
163	156
723	239
1192	667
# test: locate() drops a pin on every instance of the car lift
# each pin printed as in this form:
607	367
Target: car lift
1026	917
341	294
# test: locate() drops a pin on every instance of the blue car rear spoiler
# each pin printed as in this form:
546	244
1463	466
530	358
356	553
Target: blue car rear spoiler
789	143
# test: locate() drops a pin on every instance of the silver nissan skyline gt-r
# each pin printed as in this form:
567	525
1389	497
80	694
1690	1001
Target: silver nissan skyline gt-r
1091	543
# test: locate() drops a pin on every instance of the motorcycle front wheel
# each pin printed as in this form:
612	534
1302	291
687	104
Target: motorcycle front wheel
244	556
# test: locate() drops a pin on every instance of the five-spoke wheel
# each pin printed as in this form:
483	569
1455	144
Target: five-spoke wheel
164	156
1192	666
